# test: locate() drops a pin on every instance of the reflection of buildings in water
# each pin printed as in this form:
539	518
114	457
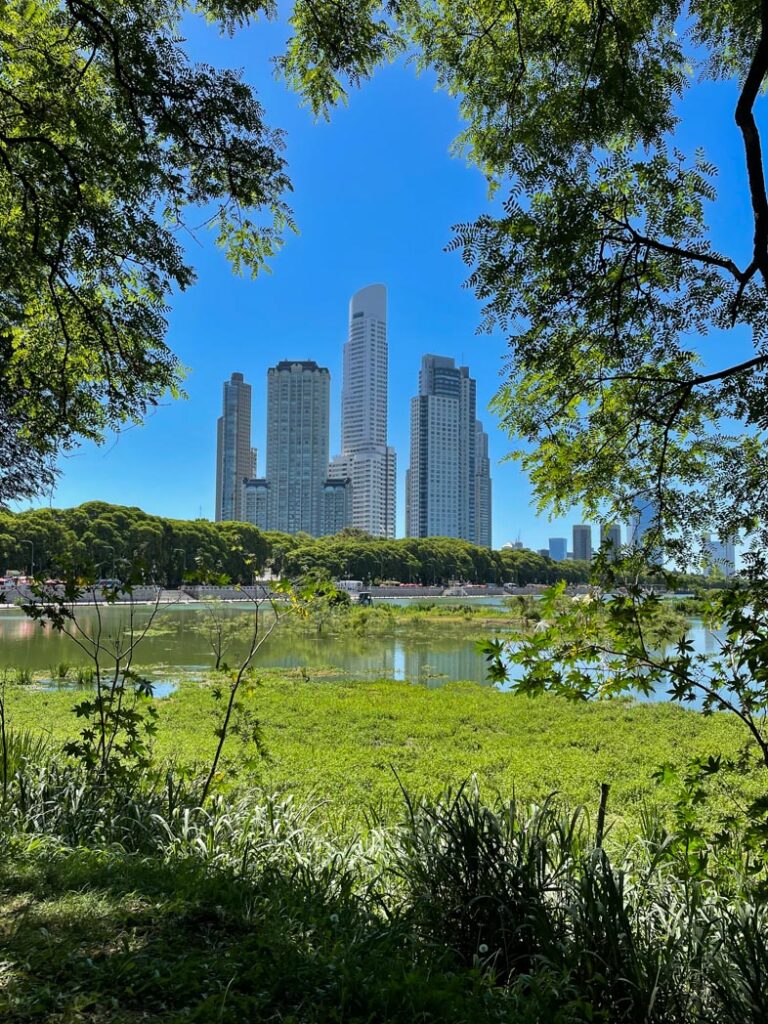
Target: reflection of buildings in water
426	664
20	628
376	663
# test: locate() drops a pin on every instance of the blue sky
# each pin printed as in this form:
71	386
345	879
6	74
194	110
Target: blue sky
375	194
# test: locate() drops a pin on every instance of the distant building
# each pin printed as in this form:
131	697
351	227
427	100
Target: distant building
719	557
558	549
645	529
611	536
644	520
235	458
582	543
366	459
441	482
483	492
544	552
298	397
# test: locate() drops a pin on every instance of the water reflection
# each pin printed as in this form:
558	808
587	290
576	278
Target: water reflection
177	641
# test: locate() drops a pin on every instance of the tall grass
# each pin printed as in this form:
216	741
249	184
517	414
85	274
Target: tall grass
465	909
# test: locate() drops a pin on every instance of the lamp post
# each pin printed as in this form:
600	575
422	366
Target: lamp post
31	555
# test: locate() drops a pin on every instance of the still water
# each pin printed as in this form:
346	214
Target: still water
178	641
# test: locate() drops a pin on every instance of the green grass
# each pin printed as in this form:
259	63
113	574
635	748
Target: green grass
295	911
343	741
104	936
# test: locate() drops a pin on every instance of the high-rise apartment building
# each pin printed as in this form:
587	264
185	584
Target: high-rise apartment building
366	459
582	542
256	502
644	520
482	488
298	398
644	531
235	458
337	506
442	476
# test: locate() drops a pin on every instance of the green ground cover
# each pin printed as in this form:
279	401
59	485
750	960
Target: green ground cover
343	741
417	619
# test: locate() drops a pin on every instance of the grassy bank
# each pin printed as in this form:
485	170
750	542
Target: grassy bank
340	741
312	890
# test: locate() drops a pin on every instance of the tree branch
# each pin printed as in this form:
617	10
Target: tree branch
745	119
710	259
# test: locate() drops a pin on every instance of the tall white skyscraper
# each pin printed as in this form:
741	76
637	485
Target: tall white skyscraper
235	459
366	459
442	477
298	399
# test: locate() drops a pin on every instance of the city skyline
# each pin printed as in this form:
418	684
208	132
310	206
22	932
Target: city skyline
352	198
448	482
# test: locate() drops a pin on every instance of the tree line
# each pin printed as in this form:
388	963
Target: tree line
105	540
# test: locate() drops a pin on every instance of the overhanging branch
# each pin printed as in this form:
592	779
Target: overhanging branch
745	119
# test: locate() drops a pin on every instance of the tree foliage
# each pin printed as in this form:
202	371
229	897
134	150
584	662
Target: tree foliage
109	137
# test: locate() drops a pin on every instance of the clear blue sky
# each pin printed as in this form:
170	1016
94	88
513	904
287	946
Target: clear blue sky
375	194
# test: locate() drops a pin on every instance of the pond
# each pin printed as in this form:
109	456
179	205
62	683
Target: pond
177	642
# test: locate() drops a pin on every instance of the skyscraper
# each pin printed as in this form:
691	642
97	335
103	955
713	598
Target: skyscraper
483	529
442	477
644	532
337	506
365	459
582	542
298	395
235	459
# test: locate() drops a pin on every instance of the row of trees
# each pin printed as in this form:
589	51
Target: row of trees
104	539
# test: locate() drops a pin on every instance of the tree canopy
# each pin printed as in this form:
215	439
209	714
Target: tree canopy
107	539
109	136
